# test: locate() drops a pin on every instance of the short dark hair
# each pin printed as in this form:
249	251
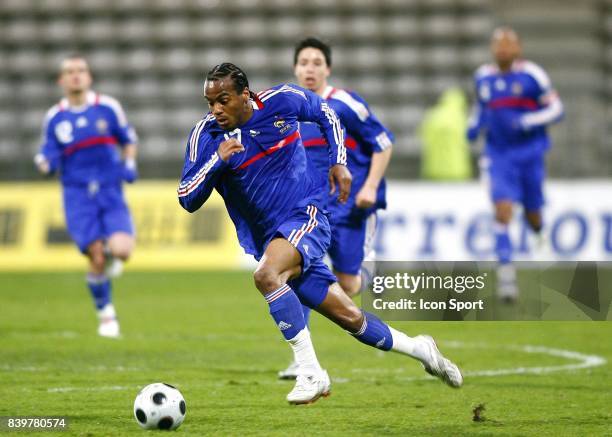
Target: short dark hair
71	56
314	43
227	69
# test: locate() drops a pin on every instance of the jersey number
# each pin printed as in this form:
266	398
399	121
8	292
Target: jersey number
236	132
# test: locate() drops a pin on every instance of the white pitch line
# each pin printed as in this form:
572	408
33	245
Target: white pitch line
90	389
584	361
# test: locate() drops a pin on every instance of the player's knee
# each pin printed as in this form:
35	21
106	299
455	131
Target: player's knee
351	285
95	252
123	251
121	246
503	215
266	279
96	261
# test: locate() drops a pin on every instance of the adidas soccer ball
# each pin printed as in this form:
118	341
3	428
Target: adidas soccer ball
159	406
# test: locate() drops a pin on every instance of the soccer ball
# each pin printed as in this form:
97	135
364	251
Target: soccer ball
159	406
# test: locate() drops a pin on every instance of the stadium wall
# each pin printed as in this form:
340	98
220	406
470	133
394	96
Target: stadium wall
425	221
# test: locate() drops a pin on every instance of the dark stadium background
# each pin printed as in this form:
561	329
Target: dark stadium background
399	54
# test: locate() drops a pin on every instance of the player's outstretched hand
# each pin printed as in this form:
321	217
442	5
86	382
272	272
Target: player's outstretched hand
228	148
42	164
342	176
130	170
366	197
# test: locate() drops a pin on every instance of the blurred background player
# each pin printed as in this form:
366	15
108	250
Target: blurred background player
249	149
369	145
515	104
87	139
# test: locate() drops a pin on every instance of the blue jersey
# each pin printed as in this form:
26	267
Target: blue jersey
514	108
263	185
83	143
365	135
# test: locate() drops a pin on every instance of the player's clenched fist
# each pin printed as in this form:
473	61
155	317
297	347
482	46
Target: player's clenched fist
228	148
366	197
342	176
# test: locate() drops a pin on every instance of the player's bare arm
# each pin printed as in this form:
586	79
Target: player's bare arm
340	174
366	197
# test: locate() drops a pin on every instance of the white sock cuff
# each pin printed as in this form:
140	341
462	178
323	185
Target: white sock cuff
402	343
108	312
300	336
95	279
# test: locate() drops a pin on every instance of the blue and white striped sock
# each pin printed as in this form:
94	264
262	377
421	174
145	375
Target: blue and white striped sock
503	245
100	288
374	332
286	310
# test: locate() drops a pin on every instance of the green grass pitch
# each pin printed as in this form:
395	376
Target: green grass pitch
210	335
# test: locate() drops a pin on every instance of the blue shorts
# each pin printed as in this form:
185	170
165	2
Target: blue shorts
312	285
517	180
307	229
95	213
351	243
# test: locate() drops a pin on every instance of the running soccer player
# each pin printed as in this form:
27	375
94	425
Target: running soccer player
249	149
516	102
368	144
87	139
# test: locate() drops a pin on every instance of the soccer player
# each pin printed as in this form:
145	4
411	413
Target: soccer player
515	104
249	149
368	144
87	139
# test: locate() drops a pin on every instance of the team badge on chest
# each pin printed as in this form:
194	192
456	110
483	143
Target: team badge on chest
517	88
102	126
281	125
81	122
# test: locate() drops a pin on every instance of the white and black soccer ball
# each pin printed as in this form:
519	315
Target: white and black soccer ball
159	406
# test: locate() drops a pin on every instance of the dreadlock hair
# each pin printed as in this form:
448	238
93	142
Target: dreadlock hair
316	44
227	69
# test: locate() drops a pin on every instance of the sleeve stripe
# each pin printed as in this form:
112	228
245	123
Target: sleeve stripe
355	105
189	186
474	117
195	136
283	89
338	133
48	117
545	116
116	107
538	74
383	140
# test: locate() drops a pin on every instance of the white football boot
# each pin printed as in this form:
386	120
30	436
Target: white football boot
438	366
309	388
291	372
109	326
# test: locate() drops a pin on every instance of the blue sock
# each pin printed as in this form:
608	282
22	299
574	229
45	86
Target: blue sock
374	332
306	310
286	310
503	246
100	288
